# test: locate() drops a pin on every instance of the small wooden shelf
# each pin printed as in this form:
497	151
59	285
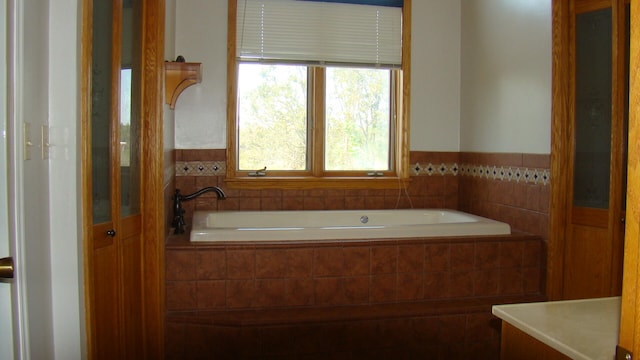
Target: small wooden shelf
177	77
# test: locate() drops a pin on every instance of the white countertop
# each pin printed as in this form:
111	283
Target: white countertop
581	329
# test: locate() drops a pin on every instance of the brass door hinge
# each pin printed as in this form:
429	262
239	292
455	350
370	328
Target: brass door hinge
623	354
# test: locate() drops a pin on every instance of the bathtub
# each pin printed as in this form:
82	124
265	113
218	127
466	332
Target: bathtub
233	226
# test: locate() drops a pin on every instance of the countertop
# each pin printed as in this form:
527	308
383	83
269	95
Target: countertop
581	329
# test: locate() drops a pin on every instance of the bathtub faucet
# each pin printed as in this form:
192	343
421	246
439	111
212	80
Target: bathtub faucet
178	212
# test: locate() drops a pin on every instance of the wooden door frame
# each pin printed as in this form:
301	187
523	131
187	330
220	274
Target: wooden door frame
562	142
152	201
629	314
561	130
152	160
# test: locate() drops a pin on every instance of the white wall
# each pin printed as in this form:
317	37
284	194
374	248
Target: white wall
480	81
168	115
67	281
31	177
506	76
201	36
44	58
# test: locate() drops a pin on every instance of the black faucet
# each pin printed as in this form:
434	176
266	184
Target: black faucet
178	211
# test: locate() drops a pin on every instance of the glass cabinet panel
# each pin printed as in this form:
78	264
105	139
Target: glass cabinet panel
129	110
101	100
593	109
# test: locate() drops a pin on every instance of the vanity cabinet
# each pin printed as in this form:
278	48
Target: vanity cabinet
556	330
517	345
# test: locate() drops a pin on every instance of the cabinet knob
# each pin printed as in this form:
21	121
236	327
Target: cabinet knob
111	233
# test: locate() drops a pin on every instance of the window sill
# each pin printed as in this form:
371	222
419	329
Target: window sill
315	183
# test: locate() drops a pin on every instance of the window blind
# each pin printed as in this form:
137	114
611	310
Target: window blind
324	33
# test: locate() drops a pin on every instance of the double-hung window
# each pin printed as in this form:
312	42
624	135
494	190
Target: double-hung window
317	92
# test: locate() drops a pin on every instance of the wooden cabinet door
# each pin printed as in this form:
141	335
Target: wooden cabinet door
112	157
595	220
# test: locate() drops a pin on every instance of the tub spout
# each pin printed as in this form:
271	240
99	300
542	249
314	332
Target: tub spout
178	212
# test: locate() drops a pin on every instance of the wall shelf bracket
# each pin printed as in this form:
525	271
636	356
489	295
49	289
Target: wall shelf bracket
177	77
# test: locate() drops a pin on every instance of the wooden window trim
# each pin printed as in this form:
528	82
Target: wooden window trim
391	179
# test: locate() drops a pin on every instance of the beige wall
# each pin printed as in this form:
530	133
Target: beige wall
435	75
506	76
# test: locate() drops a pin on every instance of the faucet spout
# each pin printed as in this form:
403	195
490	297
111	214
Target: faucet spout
178	212
219	192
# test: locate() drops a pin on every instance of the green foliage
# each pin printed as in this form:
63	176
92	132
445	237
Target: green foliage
273	118
357	119
273	130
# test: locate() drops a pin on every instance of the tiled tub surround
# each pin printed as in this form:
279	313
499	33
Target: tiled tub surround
372	299
522	204
513	188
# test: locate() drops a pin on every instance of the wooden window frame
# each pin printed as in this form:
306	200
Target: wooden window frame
317	177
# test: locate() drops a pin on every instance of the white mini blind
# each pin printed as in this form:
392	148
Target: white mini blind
291	31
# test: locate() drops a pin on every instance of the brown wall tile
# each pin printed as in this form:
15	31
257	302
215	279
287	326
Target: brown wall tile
211	264
181	265
437	257
328	261
462	257
383	288
299	263
270	264
212	295
486	282
181	295
411	258
410	286
356	290
329	291
269	293
437	285
299	292
240	293
384	259
356	260
241	264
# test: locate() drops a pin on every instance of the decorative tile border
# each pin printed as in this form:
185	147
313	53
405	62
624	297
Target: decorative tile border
507	173
503	173
438	169
201	168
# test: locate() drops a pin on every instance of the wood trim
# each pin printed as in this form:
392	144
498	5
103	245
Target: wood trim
152	198
590	217
618	151
179	76
517	345
404	102
232	89
562	212
312	183
318	121
561	141
85	174
239	179
629	314
582	6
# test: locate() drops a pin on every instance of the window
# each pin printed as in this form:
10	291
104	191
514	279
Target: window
307	111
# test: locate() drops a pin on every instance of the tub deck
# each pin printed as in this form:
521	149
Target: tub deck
351	225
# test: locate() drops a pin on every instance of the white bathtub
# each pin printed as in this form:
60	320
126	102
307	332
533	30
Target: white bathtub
339	225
